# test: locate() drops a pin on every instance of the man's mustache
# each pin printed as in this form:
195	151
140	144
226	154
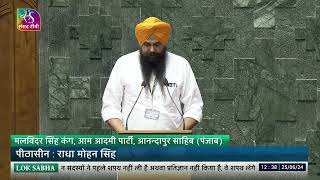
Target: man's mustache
152	55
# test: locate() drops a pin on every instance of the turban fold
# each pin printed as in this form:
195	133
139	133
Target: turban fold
153	26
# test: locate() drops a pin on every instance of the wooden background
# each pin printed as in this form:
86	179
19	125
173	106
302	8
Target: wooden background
18	78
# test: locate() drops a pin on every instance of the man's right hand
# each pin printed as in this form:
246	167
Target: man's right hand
116	125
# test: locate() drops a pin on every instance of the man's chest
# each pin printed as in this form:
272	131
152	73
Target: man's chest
157	93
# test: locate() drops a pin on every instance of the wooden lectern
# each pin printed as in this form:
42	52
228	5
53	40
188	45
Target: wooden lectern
131	176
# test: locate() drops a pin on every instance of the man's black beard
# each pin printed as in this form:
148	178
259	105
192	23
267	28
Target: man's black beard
156	63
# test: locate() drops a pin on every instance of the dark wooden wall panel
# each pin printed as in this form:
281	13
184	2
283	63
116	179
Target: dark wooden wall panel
26	77
7	84
19	80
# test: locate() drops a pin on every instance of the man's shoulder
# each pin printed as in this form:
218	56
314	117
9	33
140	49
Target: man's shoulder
177	59
128	58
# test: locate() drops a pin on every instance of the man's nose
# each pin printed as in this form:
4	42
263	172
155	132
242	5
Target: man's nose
152	48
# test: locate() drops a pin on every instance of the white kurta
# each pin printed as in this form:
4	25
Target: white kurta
124	85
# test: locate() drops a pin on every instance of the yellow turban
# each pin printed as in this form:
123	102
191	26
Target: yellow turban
153	26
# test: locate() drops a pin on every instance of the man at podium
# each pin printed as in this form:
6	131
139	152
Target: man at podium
151	88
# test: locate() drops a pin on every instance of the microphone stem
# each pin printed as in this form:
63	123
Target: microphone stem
133	107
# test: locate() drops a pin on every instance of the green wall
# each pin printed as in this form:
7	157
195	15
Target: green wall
257	63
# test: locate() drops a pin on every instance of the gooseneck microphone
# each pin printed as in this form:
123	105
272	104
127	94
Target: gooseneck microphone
143	85
166	83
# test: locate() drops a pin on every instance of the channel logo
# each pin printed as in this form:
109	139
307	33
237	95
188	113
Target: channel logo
28	20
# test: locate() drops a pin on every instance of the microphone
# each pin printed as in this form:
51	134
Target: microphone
166	83
143	85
